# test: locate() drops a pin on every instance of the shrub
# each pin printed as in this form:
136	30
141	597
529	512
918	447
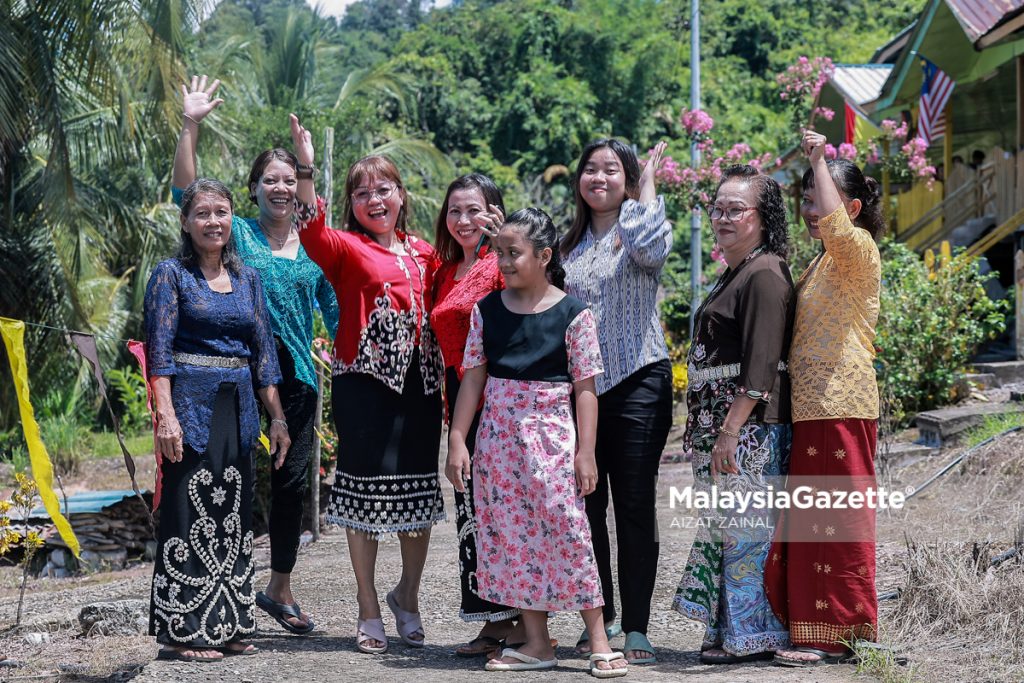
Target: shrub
934	314
130	389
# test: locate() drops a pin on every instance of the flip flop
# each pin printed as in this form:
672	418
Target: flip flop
725	658
638	641
526	662
407	623
502	644
247	651
173	655
479	646
823	658
611	630
371	629
279	610
608	657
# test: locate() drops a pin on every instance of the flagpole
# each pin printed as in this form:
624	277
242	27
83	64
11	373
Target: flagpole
696	259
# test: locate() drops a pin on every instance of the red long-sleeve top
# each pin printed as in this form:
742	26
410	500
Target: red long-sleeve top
384	301
454	301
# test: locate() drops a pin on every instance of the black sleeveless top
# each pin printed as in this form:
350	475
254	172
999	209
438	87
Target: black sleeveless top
527	347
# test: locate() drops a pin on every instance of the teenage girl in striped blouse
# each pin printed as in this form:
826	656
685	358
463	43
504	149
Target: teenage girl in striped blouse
613	256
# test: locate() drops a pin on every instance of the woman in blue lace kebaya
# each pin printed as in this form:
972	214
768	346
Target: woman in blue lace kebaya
209	343
294	286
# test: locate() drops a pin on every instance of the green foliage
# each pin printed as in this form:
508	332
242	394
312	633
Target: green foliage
931	322
993	425
130	390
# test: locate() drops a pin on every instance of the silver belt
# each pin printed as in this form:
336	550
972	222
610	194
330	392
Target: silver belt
695	376
210	361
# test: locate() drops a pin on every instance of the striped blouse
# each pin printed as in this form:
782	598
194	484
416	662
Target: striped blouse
618	277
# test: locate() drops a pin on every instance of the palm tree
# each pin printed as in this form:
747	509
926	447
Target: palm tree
82	101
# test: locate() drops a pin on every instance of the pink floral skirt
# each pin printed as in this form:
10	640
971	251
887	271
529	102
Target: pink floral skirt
533	535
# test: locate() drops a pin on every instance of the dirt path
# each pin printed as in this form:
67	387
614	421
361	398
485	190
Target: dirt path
324	585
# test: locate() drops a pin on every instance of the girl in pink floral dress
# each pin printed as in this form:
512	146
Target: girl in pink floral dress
533	347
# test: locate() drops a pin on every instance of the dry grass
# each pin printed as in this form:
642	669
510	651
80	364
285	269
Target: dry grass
957	617
961	619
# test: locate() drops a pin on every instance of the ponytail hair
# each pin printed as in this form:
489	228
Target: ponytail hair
853	184
540	231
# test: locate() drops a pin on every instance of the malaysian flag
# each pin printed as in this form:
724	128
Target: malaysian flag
935	91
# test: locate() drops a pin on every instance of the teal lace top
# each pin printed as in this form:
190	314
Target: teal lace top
293	288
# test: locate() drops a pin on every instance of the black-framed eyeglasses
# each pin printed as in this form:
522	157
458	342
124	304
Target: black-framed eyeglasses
733	213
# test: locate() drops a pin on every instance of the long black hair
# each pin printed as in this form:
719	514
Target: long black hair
770	205
631	169
540	231
187	251
853	184
448	250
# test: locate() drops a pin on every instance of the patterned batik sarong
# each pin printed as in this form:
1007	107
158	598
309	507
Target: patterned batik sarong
722	586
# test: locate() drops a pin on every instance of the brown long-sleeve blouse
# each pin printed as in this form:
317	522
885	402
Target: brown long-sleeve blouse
741	342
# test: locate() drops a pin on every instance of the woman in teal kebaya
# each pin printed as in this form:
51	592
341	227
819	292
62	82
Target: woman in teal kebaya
294	287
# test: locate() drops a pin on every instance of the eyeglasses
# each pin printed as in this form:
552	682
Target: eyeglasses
733	213
364	196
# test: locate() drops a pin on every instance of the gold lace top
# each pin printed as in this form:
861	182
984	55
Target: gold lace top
831	360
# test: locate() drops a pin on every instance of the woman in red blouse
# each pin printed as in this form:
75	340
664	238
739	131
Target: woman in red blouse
386	395
472	211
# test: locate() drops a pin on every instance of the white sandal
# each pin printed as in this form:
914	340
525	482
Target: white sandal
407	623
608	658
526	662
371	629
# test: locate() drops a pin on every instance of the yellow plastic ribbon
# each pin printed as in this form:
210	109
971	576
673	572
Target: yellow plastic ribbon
13	332
264	441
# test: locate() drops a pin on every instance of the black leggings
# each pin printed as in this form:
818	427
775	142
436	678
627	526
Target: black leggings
289	484
633	421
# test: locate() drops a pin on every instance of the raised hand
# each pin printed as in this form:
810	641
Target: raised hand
490	222
198	98
813	145
648	179
302	140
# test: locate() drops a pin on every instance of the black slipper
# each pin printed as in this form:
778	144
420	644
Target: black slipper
280	610
726	658
247	651
481	647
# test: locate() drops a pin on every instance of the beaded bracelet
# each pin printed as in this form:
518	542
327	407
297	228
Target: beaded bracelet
305	171
723	430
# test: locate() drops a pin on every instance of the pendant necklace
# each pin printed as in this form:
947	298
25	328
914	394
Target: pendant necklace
280	241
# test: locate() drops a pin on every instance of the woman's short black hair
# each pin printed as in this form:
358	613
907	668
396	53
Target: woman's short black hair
853	184
770	205
259	166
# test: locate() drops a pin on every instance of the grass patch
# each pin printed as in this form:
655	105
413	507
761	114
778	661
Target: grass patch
881	662
104	444
993	425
